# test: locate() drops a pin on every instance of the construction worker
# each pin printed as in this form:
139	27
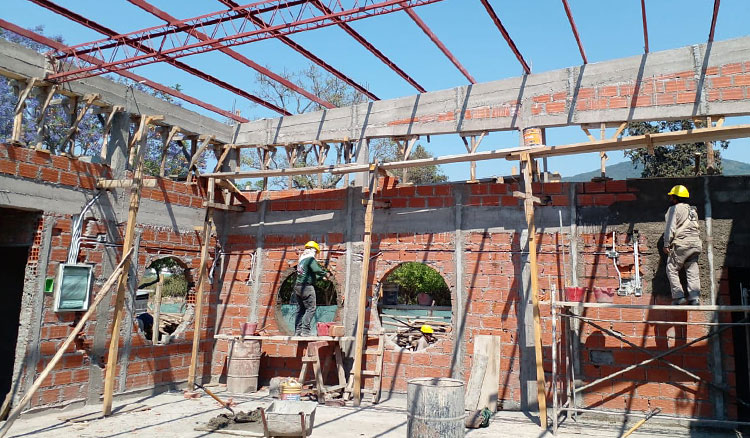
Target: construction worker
427	337
308	272
682	244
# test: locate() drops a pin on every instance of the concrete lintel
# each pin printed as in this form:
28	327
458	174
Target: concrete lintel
20	62
492	106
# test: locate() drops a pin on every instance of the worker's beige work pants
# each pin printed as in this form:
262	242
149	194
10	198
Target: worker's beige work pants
687	257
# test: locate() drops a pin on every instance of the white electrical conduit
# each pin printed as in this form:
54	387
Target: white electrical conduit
75	241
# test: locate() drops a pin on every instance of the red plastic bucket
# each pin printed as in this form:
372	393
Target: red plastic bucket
604	294
574	294
249	328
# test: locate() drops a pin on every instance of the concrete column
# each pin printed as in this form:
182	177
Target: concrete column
362	156
527	360
258	261
117	146
460	308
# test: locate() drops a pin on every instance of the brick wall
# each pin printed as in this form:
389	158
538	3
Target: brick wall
492	279
147	365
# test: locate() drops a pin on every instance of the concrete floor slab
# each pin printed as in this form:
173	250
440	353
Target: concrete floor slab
171	415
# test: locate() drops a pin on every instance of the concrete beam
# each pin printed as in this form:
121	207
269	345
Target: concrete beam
671	84
19	62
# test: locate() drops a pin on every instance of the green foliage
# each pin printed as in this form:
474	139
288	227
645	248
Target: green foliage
426	174
325	291
415	278
175	286
674	160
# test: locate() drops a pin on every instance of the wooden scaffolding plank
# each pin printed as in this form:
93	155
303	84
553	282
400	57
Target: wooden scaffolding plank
206	235
127	244
529	210
103	292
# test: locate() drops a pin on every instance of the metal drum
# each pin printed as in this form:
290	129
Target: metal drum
435	408
244	365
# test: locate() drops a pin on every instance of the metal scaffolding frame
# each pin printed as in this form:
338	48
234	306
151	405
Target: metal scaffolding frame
570	389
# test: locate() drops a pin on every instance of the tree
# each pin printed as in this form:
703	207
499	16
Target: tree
674	160
427	174
88	139
415	278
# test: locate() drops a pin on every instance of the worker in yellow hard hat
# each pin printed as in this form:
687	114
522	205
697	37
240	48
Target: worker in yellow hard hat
427	338
682	244
308	272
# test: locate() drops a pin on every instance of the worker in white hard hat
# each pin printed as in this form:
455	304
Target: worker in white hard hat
682	244
308	272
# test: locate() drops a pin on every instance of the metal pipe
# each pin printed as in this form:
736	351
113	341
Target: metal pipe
258	21
151	52
713	21
422	25
132	76
506	35
575	31
554	364
645	26
153	10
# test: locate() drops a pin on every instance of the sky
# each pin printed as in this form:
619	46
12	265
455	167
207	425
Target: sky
609	30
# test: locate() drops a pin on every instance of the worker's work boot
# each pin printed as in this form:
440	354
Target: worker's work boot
679	301
694	300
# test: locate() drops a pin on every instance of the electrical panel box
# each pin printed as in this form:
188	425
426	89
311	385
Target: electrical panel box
73	287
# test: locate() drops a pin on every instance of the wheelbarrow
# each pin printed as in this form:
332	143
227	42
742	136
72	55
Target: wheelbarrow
288	418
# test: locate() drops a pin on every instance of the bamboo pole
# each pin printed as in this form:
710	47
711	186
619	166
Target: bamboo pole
114	344
529	210
201	280
365	273
64	346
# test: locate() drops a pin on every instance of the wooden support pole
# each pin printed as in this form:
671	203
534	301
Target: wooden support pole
291	154
603	155
127	244
157	310
42	113
363	283
528	205
205	141
17	131
103	292
347	159
710	159
206	236
323	149
70	137
166	138
105	130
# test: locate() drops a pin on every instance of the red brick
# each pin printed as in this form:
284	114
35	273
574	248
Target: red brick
741	80
562	95
686	97
509	201
721	82
675	85
618	102
585	200
666	99
417	203
62	163
640	101
28	170
560	200
435	202
50	175
399	203
594	187
479	189
544	98
616	186
730	69
733	94
625	197
608	91
555	107
68	179
7	166
442	190
425	190
586	93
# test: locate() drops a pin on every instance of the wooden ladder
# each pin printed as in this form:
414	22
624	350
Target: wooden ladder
376	374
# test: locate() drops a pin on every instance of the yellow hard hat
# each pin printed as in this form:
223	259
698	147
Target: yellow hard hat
427	329
313	244
680	191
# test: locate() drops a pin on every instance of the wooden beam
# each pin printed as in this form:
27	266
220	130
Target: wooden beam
531	226
127	245
363	283
355	168
166	139
603	155
206	140
291	154
620	128
637	141
223	206
157	310
103	292
220	161
107	184
89	100
17	131
206	236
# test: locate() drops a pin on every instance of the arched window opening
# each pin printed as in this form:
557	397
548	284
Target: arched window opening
326	299
415	306
164	287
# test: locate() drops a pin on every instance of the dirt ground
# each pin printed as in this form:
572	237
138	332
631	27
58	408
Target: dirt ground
171	415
